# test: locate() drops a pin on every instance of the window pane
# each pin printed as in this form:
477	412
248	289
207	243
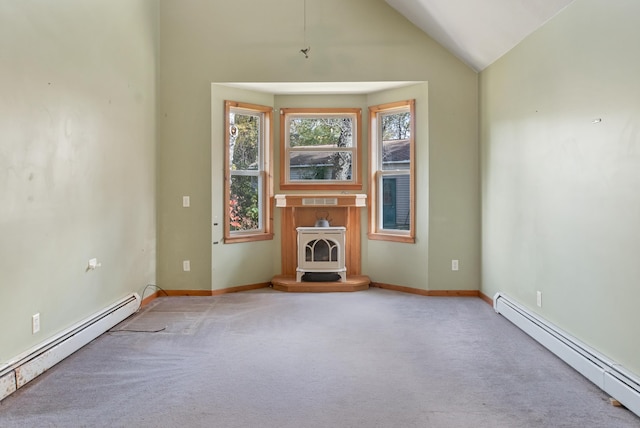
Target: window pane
321	131
244	141
396	154
396	126
396	203
244	203
320	165
396	131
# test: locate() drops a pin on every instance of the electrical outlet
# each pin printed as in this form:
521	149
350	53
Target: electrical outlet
186	201
35	323
454	265
539	298
186	265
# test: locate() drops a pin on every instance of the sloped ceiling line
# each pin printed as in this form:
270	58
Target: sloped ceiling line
479	31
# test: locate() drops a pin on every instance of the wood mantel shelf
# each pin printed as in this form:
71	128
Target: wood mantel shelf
288	283
321	200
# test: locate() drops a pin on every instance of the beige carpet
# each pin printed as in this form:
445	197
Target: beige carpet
264	358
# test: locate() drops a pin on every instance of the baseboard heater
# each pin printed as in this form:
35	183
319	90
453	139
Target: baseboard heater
619	383
39	359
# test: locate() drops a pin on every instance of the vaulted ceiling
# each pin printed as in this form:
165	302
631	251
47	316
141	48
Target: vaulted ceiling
478	31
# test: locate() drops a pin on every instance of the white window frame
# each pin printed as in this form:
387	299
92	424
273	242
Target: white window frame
265	227
377	173
355	183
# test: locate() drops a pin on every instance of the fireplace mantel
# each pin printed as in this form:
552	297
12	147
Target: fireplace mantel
321	200
304	210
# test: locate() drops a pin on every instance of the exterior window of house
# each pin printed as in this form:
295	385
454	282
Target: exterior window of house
320	149
392	189
247	161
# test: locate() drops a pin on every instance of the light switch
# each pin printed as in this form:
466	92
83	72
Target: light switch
186	201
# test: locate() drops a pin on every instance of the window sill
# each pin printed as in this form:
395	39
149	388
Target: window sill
248	238
390	237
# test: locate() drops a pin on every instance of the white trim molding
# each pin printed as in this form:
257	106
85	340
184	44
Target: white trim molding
27	366
609	376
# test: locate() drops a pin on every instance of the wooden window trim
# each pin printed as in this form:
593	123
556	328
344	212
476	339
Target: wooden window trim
356	173
266	233
375	233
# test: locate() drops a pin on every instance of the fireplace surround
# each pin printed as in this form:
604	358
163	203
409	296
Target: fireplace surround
342	210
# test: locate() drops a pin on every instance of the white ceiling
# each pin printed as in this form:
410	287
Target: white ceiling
478	31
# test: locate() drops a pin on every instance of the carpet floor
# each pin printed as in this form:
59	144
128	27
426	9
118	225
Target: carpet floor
263	358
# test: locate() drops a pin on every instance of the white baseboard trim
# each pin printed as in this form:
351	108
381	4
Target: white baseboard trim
34	362
609	376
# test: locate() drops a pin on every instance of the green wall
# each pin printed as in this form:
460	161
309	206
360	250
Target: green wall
355	40
560	193
77	160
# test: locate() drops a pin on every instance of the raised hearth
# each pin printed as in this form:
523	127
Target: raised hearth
289	283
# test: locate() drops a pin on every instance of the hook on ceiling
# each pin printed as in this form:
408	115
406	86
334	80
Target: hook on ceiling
305	51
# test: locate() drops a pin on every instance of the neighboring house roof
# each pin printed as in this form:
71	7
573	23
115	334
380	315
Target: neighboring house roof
396	151
313	158
310	158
